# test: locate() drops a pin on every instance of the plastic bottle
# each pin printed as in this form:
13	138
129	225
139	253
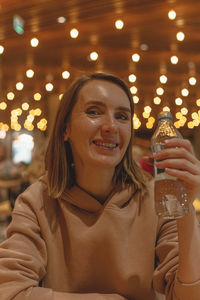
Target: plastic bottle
171	201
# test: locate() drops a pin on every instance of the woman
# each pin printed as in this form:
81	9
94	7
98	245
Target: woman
88	229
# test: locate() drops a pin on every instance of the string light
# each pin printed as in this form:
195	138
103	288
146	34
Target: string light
132	78
1	49
163	79
119	24
174	59
166	108
37	96
184	92
10	96
3	105
65	74
74	33
147	109
61	20
178	101
172	14
135	57
180	36
159	91
49	87
60	96
133	89
29	73
184	111
192	80
34	42
25	106
94	55
136	99
19	86
198	102
157	100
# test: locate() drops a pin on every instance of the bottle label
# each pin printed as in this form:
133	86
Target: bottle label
160	171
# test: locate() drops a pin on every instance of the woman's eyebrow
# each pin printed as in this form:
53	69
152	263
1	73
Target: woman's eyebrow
96	102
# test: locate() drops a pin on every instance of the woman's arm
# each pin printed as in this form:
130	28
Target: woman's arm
179	161
24	259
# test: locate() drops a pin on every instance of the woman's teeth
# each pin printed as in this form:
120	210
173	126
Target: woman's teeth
106	145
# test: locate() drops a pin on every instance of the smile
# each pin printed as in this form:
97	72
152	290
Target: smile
106	145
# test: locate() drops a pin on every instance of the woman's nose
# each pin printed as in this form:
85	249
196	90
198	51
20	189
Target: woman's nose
109	125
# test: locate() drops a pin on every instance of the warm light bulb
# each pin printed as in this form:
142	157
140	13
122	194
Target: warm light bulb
166	108
65	74
136	99
61	20
60	96
25	106
49	87
19	86
74	33
180	36
147	109
133	90
30	73
34	42
192	80
184	92
198	102
159	91
184	111
3	105
163	79
37	96
135	57
174	59
172	14
1	49
94	55
157	100
10	96
178	101
119	24
132	78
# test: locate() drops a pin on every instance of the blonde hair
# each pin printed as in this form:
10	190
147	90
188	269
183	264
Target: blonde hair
59	158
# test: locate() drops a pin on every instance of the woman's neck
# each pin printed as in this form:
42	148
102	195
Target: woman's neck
96	183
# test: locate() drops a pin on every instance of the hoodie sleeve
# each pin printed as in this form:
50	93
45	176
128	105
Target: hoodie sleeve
23	261
165	279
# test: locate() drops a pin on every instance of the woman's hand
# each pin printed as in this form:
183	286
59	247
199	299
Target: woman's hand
178	160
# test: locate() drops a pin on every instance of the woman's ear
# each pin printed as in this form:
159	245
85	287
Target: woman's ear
66	134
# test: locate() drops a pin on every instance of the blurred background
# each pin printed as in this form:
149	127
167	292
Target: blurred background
153	45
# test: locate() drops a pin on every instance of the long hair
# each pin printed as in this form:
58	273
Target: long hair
59	158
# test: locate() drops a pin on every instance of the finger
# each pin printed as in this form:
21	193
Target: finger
191	180
177	142
179	164
176	153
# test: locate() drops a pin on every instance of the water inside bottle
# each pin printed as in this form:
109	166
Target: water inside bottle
170	198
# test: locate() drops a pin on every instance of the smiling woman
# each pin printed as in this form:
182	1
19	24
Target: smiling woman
88	229
97	108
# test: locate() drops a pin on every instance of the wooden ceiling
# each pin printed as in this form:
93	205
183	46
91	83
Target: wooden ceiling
147	31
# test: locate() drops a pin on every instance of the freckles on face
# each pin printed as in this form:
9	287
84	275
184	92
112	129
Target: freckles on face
100	125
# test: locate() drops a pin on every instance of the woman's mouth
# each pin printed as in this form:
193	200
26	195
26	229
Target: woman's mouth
105	145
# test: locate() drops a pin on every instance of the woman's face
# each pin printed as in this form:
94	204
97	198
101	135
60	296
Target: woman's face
99	130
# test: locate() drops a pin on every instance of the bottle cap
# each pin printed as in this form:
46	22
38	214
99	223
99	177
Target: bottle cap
165	115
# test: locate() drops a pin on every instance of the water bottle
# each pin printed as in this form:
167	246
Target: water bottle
171	201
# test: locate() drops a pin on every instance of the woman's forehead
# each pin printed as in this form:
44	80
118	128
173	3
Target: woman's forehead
103	90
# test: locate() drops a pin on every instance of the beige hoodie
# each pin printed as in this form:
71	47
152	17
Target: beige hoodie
74	248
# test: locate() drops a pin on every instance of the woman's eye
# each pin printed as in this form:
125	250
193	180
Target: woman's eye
93	112
122	116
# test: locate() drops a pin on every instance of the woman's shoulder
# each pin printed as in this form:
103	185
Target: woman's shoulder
33	198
